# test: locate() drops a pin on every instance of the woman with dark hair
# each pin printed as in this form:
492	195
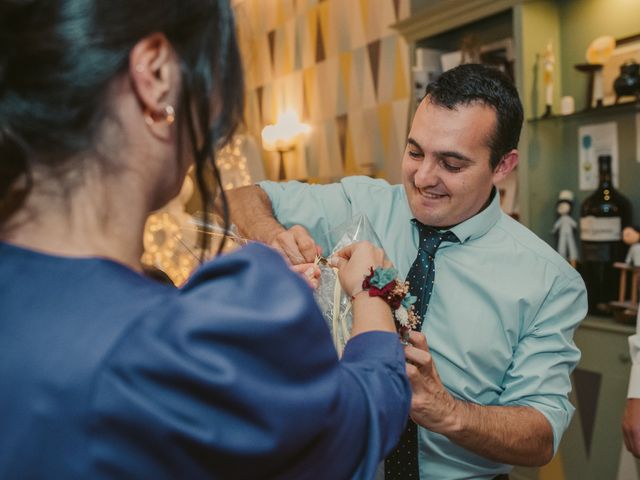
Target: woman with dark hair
106	373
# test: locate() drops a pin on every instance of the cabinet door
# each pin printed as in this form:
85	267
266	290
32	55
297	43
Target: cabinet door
592	446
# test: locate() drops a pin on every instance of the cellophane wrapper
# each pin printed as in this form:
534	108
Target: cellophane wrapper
333	301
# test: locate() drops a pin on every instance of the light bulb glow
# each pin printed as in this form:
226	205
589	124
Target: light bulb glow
285	132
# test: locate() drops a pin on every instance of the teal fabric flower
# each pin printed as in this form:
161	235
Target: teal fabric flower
382	276
408	300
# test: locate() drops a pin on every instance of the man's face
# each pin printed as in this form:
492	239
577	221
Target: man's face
446	167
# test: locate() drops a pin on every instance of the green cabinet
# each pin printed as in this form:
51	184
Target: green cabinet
548	148
592	446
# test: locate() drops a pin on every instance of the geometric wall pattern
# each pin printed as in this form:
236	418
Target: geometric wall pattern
587	388
587	393
341	68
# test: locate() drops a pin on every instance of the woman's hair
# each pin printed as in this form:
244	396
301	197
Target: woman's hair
57	61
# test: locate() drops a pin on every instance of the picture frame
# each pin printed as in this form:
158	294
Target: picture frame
498	54
627	48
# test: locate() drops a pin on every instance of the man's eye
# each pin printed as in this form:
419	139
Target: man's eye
415	154
449	167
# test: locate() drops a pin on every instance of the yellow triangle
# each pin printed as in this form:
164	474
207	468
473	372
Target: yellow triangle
287	61
312	26
323	14
350	167
400	83
310	88
385	117
553	470
345	72
364	8
279	13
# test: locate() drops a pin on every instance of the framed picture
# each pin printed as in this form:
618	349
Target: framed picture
627	48
498	54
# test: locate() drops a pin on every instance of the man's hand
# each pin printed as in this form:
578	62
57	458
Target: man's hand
517	435
297	245
631	426
432	406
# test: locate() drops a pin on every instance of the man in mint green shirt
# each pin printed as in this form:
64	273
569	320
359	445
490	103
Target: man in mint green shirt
490	369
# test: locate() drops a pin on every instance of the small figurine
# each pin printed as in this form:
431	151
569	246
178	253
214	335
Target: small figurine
624	309
631	237
549	61
565	227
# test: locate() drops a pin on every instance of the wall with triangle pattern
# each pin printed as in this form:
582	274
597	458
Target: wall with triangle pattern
340	66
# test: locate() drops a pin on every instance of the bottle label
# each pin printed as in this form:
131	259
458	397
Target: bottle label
596	252
600	229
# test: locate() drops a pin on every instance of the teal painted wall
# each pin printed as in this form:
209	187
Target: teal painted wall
553	145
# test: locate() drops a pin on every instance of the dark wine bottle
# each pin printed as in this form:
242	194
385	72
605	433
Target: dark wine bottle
603	215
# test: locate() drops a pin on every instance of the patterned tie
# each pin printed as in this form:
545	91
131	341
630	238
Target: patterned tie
402	463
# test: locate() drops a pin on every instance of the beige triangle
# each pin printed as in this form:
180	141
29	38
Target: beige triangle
356	24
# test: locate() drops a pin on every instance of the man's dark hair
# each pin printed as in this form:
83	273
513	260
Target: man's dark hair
471	83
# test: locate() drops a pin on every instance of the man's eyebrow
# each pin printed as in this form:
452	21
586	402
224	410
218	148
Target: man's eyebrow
443	154
411	141
453	154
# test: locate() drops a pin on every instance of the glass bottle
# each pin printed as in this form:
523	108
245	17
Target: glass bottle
603	215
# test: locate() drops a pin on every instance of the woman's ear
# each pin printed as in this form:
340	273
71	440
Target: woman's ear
153	69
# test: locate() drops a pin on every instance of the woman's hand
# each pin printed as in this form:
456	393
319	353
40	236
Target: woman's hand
354	263
309	271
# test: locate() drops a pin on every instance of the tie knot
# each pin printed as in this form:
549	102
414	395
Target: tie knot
430	238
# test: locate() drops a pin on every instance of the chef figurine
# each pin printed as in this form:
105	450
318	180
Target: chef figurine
565	227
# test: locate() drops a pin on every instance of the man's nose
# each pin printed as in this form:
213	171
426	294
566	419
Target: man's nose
427	174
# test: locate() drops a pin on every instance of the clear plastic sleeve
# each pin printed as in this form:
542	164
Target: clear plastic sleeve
333	301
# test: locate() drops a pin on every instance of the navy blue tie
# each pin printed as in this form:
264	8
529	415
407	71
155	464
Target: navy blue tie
402	463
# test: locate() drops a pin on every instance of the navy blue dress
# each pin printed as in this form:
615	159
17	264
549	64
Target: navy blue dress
105	373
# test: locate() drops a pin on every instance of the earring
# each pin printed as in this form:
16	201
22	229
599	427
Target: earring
168	115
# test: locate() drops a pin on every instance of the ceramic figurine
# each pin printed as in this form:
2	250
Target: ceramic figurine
631	237
565	227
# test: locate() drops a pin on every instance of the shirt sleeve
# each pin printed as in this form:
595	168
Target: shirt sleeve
318	208
634	351
539	375
237	378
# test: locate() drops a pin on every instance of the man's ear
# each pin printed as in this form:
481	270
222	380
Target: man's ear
507	164
151	68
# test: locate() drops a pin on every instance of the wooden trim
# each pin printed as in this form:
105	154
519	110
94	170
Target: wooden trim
449	14
627	40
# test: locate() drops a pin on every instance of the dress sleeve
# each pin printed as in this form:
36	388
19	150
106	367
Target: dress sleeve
237	378
539	375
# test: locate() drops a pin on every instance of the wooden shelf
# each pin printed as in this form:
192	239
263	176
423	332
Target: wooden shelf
607	324
627	107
